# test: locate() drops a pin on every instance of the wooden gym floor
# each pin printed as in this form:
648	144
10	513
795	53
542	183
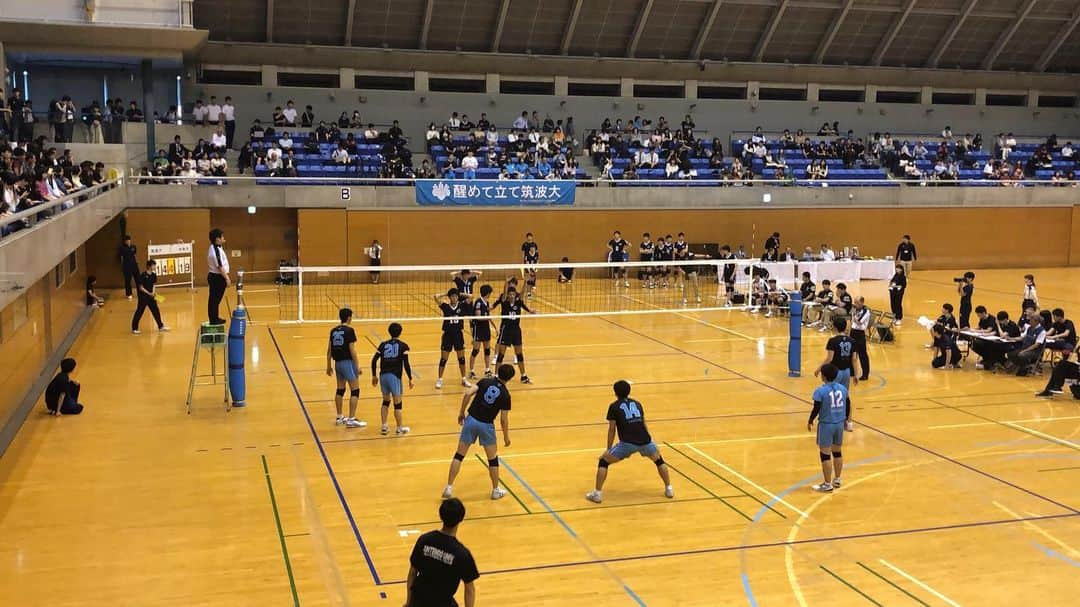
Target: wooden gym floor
961	486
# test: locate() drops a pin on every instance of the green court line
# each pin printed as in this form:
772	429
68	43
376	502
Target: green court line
890	582
703	488
721	477
849	585
281	534
505	486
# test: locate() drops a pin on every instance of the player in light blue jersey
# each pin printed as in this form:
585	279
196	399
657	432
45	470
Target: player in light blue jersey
832	404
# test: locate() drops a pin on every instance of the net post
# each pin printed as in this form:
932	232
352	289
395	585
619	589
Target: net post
300	294
794	355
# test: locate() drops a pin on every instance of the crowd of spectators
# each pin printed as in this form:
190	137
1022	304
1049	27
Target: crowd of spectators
33	174
530	147
18	116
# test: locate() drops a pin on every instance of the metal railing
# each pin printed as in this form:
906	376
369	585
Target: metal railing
35	215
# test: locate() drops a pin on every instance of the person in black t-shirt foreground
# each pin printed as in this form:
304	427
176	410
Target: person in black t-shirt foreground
626	418
394	357
343	362
62	395
439	562
453	333
490	399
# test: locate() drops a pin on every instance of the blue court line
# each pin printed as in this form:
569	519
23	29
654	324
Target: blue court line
326	461
1055	554
568	529
746	589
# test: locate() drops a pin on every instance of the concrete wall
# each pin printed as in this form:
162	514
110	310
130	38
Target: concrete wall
143	12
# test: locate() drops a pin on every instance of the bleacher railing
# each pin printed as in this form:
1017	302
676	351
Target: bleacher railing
48	210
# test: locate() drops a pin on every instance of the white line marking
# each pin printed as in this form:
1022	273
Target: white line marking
1009	422
746	480
688	317
742	440
1048	437
1066	547
919	583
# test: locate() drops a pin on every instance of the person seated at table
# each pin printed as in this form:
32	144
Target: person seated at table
946	352
1032	344
946	320
840	308
987	326
776	299
808	254
770	255
759	291
993	352
1068	368
1062	333
823	299
826	254
806	293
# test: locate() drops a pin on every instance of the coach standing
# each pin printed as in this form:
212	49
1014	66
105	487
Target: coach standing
217	261
906	255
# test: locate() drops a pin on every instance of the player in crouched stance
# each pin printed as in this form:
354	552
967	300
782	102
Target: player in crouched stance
626	417
490	399
831	402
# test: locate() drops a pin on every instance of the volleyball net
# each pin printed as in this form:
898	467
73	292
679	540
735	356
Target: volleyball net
388	293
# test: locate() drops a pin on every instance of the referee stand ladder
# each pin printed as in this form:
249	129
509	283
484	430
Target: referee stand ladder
212	339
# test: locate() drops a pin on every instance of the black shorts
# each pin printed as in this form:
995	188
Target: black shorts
452	340
510	335
376	262
481	331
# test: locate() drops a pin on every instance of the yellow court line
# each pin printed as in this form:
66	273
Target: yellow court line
1014	421
1037	529
746	480
919	583
1048	437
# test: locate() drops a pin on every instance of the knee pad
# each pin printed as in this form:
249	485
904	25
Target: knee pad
474	352
603	463
659	462
836	454
825	456
355	393
386	403
499	359
442	364
487	352
461	360
459	457
340	392
397	406
520	357
493	462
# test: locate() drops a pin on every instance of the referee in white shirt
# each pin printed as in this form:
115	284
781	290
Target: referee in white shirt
217	260
860	324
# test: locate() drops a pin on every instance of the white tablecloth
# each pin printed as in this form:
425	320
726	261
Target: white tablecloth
835	271
878	269
782	271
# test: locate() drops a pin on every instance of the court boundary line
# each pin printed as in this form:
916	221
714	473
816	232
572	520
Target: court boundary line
501	482
777	544
721	477
892	583
849	585
919	583
326	461
281	532
706	490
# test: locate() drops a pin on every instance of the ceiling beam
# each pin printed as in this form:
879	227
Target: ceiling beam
830	34
894	29
269	20
770	29
349	15
706	27
500	23
426	26
950	33
1059	39
643	16
1003	39
571	23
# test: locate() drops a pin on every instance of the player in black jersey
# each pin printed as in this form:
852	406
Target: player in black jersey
453	336
342	361
510	306
464	282
841	308
647	253
490	399
532	257
626	418
529	242
807	292
677	250
824	298
839	352
617	253
728	273
481	330
394	355
665	252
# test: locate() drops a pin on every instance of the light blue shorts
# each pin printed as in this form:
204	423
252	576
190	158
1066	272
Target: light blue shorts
623	450
829	435
345	370
474	429
390	384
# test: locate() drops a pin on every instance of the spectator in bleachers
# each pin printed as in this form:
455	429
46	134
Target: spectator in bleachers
466	124
228	116
371	133
307	119
469	164
172	116
199	112
289	113
176	150
425	171
946	133
1067	152
277	117
521	122
288	164
273	159
213	112
134	113
340	155
218	142
201	149
202	165
354	121
246	159
534	121
285	141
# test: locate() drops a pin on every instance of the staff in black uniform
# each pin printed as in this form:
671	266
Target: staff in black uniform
965	288
906	254
217	277
146	282
860	323
897	287
128	263
439	562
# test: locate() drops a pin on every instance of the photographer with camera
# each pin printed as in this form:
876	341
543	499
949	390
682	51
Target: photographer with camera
965	287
